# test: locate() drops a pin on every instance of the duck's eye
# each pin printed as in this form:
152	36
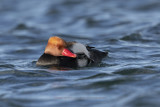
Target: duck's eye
59	47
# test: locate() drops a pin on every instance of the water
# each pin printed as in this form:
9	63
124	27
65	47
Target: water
128	77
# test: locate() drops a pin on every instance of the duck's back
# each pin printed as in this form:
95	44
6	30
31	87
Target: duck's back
96	55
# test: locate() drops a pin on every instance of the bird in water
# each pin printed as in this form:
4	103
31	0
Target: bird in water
58	52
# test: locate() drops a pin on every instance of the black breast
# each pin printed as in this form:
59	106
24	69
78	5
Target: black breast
47	59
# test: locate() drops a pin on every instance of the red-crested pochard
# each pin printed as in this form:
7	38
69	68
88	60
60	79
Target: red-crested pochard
69	54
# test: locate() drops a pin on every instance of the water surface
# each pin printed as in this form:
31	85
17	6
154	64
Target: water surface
128	77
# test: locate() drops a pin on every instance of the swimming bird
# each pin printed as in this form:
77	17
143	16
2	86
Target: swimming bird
58	52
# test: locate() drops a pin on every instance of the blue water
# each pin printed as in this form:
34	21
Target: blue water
128	29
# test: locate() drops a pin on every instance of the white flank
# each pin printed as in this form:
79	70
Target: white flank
82	62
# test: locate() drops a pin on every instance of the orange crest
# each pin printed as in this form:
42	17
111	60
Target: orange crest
56	41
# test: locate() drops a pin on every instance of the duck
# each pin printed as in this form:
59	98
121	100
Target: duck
60	53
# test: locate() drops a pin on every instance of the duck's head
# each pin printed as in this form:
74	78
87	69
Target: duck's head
58	47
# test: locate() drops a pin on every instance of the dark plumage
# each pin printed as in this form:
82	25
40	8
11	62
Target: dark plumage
83	56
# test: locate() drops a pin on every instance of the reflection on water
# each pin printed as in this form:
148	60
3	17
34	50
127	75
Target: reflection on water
129	30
